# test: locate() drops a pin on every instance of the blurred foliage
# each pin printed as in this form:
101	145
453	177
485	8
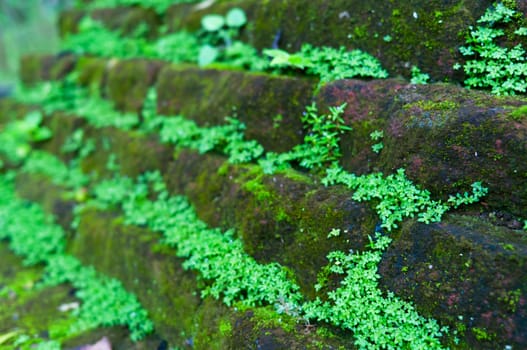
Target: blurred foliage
26	26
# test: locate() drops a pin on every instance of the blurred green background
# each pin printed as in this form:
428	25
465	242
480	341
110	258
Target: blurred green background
26	26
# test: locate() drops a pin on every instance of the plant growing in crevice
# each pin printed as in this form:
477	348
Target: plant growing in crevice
398	197
33	235
321	142
328	63
377	135
378	321
418	77
219	43
491	64
17	136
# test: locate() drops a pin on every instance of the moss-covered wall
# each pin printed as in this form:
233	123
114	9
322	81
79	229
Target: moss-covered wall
286	218
400	33
468	272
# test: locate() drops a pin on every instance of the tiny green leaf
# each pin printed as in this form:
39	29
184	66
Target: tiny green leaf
207	55
236	17
212	23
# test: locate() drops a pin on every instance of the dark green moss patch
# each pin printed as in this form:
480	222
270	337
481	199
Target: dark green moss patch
30	69
208	96
92	73
519	114
458	269
68	21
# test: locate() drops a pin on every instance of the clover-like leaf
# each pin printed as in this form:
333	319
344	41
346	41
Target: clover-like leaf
236	17
207	55
212	23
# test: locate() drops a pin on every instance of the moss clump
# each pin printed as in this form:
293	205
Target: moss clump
519	114
51	197
61	66
128	83
443	266
68	22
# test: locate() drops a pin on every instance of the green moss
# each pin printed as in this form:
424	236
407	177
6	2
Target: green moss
128	83
511	299
30	69
62	66
428	105
255	186
213	325
254	99
21	301
92	73
482	334
225	328
173	314
519	113
267	317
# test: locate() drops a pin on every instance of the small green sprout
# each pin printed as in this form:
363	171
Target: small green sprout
419	77
335	232
376	136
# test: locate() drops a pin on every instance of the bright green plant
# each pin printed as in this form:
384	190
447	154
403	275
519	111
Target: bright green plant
489	65
227	138
160	6
377	321
67	96
177	47
105	302
328	63
94	38
377	135
56	170
76	143
17	136
219	42
419	77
